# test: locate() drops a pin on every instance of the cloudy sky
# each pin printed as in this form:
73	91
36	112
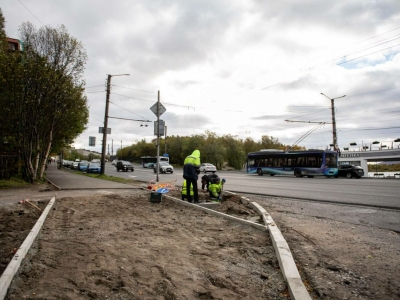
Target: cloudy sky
239	67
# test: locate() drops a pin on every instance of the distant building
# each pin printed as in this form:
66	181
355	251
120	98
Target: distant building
14	44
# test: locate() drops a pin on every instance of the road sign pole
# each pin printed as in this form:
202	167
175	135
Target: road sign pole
158	109
158	136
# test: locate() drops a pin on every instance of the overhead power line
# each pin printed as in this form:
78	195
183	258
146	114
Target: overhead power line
134	89
31	12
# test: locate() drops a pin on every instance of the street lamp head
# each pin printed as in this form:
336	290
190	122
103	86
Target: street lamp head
118	75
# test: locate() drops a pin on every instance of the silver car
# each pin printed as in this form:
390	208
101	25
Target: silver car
206	167
164	168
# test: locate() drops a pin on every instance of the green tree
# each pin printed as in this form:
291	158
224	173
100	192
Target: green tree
213	151
43	93
249	145
10	86
175	149
269	142
235	155
3	35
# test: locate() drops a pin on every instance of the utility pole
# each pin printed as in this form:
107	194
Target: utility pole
165	139
103	150
335	141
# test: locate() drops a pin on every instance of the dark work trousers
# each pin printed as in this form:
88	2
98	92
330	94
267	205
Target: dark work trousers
195	192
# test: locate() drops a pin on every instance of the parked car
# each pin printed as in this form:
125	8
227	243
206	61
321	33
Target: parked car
93	168
114	162
164	168
66	163
350	171
125	166
82	166
74	165
206	167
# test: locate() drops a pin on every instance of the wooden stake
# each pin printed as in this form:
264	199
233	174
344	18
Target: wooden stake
35	206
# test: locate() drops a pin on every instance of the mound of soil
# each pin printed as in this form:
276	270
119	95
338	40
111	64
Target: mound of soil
118	245
125	247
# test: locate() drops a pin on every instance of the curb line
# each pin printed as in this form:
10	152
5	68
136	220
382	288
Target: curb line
53	184
297	289
13	266
287	264
216	213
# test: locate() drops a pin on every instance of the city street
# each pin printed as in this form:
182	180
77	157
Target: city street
373	192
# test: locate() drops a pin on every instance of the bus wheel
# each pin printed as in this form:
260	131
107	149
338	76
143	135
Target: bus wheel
297	173
260	172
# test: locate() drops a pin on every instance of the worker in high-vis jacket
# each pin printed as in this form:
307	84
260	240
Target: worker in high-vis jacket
184	191
215	189
191	170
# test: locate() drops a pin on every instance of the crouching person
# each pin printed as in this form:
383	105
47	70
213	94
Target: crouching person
215	189
184	192
206	180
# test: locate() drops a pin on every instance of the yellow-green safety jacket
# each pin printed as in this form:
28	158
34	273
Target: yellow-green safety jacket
184	189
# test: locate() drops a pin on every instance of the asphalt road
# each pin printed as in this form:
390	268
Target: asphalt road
371	192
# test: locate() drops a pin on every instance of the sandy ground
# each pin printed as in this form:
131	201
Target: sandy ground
119	245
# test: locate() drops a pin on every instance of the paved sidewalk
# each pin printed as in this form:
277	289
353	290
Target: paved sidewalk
66	180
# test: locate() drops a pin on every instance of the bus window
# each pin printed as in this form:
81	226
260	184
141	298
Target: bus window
311	162
289	162
262	163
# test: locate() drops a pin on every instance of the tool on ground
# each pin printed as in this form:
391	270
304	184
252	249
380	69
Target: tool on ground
27	201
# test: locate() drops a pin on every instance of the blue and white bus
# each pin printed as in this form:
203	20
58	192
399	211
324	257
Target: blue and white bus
299	163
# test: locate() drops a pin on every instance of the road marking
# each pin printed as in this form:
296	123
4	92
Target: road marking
272	179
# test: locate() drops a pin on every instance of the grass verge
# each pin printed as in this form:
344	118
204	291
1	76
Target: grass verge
15	182
106	177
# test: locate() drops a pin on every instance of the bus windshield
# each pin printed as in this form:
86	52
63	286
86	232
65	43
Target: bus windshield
331	160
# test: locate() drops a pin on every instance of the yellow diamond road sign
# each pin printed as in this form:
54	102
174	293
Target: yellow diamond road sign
161	110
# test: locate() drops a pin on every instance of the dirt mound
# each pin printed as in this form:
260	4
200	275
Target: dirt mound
125	247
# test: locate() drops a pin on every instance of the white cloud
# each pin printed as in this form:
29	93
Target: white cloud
239	68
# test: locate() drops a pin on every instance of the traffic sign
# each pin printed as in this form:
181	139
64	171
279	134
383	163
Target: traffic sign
92	141
161	110
101	130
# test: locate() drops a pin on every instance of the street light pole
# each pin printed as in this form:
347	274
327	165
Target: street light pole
165	139
335	141
103	150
